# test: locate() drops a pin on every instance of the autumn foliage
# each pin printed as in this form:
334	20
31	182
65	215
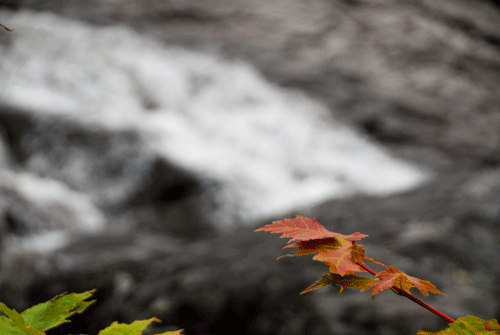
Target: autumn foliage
345	258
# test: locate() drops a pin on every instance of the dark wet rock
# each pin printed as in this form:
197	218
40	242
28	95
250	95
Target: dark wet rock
132	185
420	77
12	4
39	214
171	200
109	165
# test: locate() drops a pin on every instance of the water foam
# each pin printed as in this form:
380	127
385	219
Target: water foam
272	149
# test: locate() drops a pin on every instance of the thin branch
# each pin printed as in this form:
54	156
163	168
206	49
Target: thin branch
8	29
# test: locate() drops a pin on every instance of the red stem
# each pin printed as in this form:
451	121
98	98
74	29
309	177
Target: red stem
411	297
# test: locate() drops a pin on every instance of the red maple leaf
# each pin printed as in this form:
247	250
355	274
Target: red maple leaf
304	229
393	277
338	251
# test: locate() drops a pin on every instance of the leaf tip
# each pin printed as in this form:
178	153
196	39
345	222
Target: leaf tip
288	255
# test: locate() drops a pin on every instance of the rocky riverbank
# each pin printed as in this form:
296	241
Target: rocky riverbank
420	78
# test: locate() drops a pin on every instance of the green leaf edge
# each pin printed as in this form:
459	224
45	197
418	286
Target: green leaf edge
58	309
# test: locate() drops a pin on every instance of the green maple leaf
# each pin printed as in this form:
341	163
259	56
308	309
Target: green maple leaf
39	318
348	281
468	325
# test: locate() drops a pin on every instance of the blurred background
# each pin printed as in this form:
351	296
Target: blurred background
142	143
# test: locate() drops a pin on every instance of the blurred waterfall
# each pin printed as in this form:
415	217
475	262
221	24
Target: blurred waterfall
271	149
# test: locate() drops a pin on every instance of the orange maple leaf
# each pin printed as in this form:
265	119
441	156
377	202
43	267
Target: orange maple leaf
393	277
341	260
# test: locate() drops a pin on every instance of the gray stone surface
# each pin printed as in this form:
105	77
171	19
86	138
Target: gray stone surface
115	169
420	77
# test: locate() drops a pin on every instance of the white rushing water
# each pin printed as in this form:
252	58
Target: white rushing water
272	149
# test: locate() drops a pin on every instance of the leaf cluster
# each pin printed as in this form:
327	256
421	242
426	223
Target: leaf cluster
345	258
50	314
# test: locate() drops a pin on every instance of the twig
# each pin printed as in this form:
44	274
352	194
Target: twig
8	29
